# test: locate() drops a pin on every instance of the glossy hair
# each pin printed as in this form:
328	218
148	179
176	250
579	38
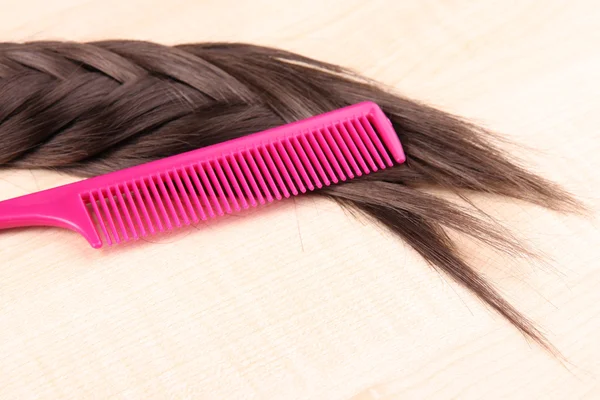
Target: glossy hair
92	108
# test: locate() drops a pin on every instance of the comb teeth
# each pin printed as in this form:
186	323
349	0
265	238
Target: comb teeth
241	178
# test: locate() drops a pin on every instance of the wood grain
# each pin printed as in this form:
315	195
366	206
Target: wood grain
302	300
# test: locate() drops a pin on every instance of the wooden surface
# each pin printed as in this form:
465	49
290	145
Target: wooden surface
303	301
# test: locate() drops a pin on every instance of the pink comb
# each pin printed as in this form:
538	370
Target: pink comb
215	180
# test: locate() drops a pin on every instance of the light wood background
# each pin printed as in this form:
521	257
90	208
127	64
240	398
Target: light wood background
302	300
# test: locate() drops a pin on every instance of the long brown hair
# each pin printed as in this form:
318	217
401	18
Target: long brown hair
91	108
